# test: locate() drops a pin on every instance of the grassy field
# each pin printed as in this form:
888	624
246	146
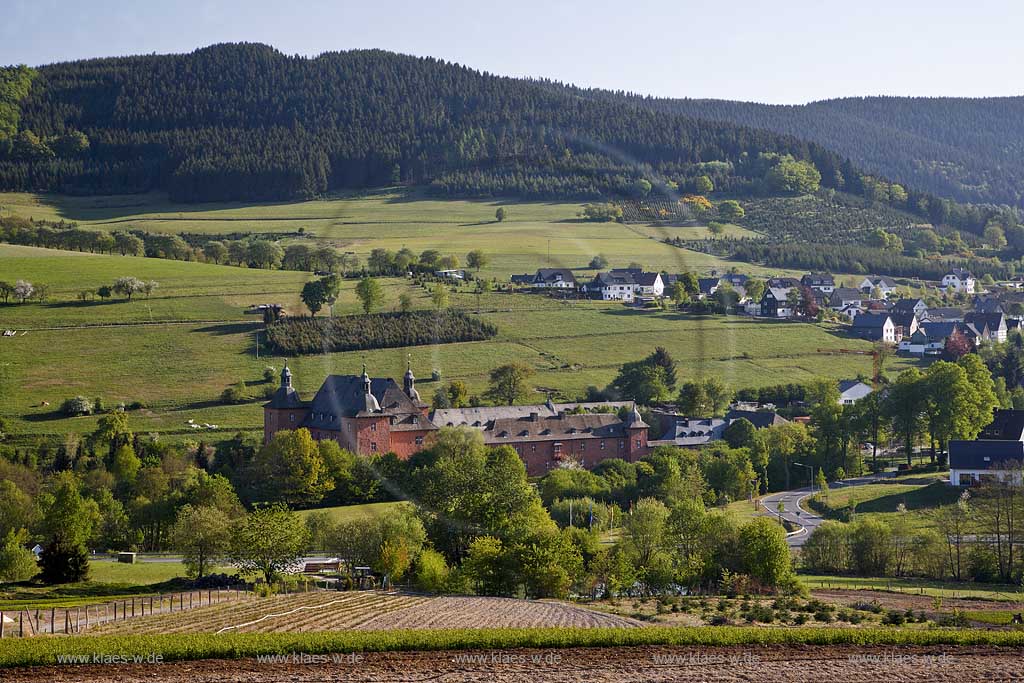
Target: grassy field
919	495
535	234
177	350
913	586
351	513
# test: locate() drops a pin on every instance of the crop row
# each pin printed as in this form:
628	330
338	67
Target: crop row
45	651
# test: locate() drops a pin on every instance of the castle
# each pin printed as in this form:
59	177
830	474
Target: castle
374	415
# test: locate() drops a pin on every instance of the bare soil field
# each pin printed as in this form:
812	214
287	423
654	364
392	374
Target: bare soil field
849	664
364	610
474	612
903	601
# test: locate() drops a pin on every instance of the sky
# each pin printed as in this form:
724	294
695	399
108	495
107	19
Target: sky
783	51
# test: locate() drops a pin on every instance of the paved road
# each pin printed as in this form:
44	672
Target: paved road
808	521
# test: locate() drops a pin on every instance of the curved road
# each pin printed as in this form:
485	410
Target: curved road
808	521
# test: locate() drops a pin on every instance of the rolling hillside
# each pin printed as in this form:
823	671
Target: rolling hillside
970	150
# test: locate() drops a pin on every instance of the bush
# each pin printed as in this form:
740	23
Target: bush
17	563
234	394
375	331
269	374
431	574
894	618
79	405
63	563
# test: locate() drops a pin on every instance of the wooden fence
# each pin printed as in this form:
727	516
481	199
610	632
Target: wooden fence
35	621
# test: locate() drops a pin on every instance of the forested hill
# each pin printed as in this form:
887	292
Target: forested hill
246	122
966	149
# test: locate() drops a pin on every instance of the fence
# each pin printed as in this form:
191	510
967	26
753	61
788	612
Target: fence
70	620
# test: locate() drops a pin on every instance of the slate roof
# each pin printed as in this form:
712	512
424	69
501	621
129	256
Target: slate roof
881	281
782	282
941	330
614	278
647	279
988	304
554	428
984	455
1006	425
285	398
818	280
483	416
706	284
759	418
735	279
343	396
947	314
841	294
871	319
695	431
960	273
991	321
554	275
906	305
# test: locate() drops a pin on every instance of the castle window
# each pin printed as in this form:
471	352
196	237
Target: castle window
373	446
291	417
558	449
373	427
621	445
638	443
602	445
533	448
419	440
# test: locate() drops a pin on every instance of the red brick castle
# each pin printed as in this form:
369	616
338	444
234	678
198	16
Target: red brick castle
374	415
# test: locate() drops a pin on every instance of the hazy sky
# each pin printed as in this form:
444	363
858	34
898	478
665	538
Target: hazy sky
785	51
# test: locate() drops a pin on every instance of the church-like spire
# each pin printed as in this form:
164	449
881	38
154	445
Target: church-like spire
409	383
286	377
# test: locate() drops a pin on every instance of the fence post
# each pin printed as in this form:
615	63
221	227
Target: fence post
67	620
133	608
53	620
1	623
190	599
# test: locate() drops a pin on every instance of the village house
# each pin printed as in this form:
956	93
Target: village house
649	284
916	306
930	339
374	415
959	280
821	282
884	285
874	326
905	321
615	285
992	324
708	286
852	390
943	314
451	274
997	453
775	302
693	432
557	278
842	297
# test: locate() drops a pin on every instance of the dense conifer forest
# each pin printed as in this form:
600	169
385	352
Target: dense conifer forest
967	149
246	122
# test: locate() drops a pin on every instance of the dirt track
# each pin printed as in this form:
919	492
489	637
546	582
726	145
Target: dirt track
593	665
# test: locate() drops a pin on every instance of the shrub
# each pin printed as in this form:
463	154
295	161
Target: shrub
269	374
894	618
17	563
63	563
432	572
234	394
79	405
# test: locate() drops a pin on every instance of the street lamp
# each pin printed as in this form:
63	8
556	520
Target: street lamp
810	474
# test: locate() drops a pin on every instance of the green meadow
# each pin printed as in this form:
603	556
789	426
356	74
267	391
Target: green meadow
177	350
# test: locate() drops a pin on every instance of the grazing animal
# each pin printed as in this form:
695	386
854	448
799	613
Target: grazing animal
1018	618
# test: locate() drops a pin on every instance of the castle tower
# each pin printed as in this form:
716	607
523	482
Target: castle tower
409	383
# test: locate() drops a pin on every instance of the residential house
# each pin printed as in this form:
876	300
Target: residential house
821	282
759	418
708	286
775	302
997	453
884	285
988	304
958	280
615	285
557	278
694	432
649	284
930	338
735	280
852	390
842	297
993	325
916	306
874	326
906	323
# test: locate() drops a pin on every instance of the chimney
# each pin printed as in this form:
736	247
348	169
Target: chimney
534	417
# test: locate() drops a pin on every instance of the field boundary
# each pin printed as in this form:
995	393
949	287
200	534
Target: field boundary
182	647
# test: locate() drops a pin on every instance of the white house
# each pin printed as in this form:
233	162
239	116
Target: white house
874	326
615	285
958	280
558	278
884	285
775	303
649	284
997	453
852	390
822	282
